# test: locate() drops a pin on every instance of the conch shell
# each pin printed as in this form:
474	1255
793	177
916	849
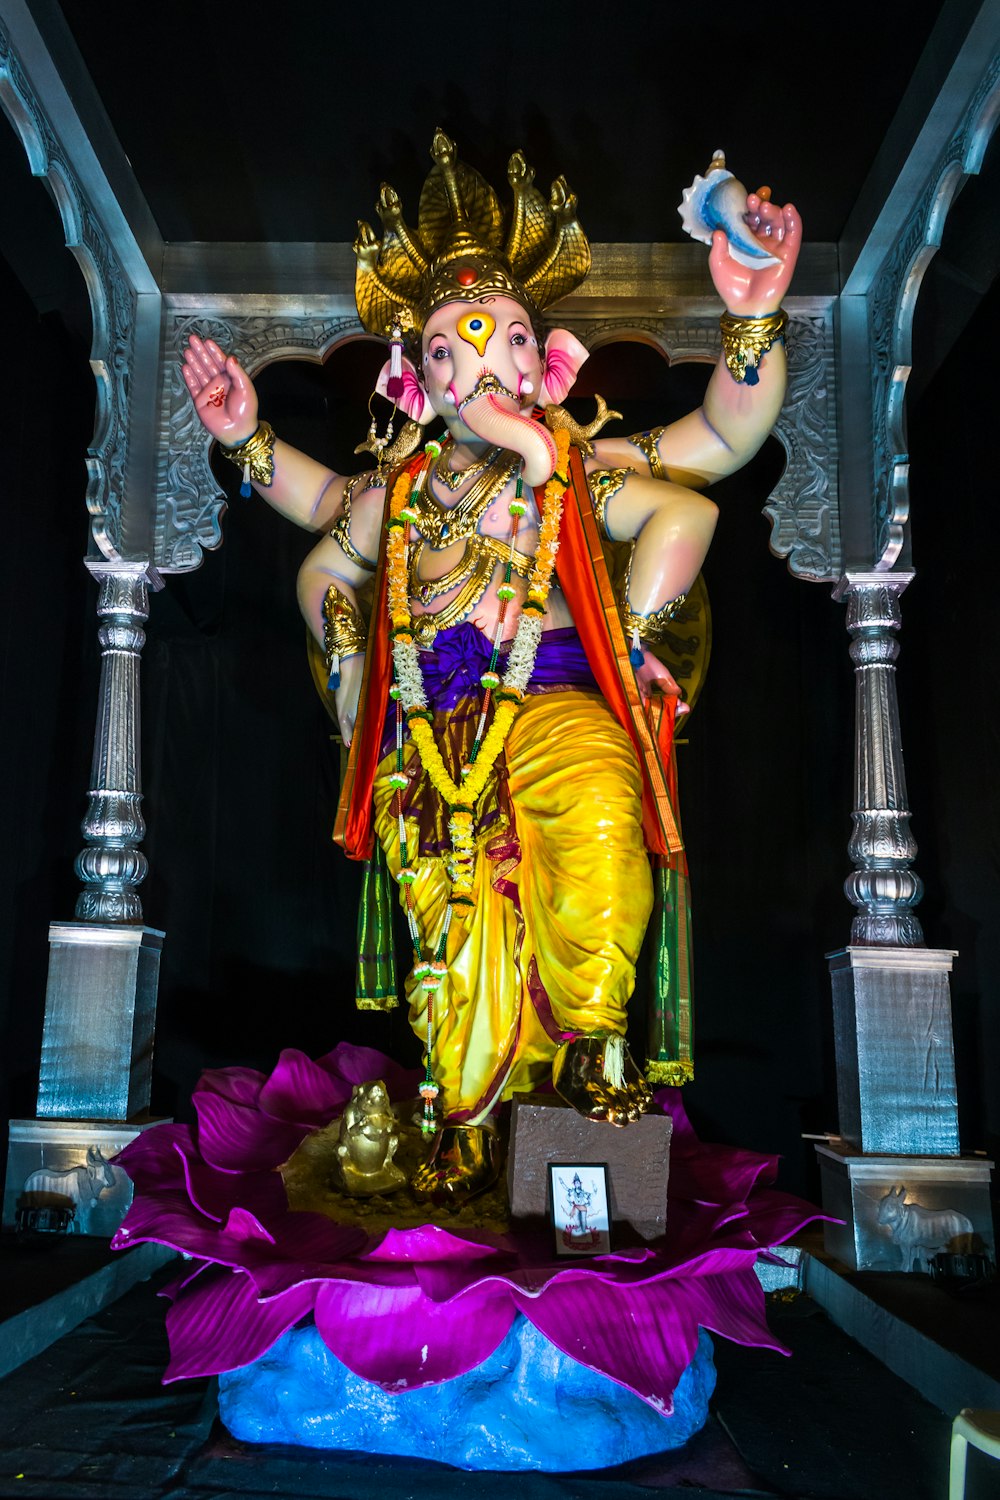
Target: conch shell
719	201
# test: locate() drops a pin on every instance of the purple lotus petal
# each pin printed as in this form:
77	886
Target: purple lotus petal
240	1139
193	1269
213	1192
399	1338
733	1305
641	1337
430	1243
239	1085
363	1064
271	1278
169	1219
417	1306
151	1158
302	1092
220	1324
774	1216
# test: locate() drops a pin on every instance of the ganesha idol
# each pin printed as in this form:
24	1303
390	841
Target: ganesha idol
508	718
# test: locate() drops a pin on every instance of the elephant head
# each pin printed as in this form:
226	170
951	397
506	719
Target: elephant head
483	371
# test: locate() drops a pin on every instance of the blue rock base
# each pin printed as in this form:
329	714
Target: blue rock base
528	1406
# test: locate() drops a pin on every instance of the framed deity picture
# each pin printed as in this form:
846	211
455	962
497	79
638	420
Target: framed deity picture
581	1207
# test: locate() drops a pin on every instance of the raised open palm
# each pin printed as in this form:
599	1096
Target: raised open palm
221	390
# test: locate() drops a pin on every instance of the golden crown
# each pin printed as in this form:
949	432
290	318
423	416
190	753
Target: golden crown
462	250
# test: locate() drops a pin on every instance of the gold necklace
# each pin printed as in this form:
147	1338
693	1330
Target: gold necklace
442	525
453	479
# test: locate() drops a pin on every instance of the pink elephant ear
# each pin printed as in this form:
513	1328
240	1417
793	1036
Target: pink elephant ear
413	400
564	355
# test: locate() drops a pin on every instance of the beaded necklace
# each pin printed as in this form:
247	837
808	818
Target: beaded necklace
503	695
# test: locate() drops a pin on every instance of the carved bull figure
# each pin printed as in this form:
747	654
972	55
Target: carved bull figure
920	1232
79	1187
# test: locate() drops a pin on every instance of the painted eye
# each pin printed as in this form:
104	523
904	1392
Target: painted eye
518	338
476	328
441	352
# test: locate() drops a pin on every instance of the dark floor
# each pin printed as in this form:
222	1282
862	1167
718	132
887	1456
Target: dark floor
89	1420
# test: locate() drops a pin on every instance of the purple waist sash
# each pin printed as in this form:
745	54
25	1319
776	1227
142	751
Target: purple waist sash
462	654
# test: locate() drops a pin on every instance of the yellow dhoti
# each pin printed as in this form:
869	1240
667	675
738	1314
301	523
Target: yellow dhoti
563	893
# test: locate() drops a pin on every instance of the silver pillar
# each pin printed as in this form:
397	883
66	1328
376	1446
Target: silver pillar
894	1175
883	886
112	865
100	1003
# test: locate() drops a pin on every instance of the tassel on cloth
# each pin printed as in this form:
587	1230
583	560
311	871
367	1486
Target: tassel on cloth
635	655
394	385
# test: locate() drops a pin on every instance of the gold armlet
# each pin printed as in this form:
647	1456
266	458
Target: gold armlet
341	530
344	633
255	457
652	627
604	485
648	445
745	341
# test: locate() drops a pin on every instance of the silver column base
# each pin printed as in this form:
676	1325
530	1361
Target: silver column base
100	1015
944	1204
896	1089
67	1164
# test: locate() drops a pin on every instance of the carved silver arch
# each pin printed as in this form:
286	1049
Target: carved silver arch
803	506
112	299
891	308
189	503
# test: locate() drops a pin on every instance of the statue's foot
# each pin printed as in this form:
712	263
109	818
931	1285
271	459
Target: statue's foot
464	1160
596	1074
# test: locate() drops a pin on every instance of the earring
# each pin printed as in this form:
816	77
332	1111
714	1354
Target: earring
386	452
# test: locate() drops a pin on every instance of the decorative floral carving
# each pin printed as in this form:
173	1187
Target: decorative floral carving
190	504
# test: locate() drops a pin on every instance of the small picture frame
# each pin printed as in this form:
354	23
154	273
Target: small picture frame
580	1206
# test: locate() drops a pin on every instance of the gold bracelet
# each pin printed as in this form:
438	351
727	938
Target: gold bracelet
344	633
256	456
653	627
745	341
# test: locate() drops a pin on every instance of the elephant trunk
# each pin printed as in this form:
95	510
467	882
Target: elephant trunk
496	418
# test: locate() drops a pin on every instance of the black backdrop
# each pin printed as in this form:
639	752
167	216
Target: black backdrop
241	775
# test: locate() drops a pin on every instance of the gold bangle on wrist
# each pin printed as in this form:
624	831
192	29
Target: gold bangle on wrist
255	457
745	341
344	633
653	627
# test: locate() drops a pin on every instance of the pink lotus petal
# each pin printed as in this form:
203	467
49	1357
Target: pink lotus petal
220	1324
399	1338
238	1139
302	1092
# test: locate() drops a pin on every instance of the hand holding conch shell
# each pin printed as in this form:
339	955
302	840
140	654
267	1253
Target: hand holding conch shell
755	243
